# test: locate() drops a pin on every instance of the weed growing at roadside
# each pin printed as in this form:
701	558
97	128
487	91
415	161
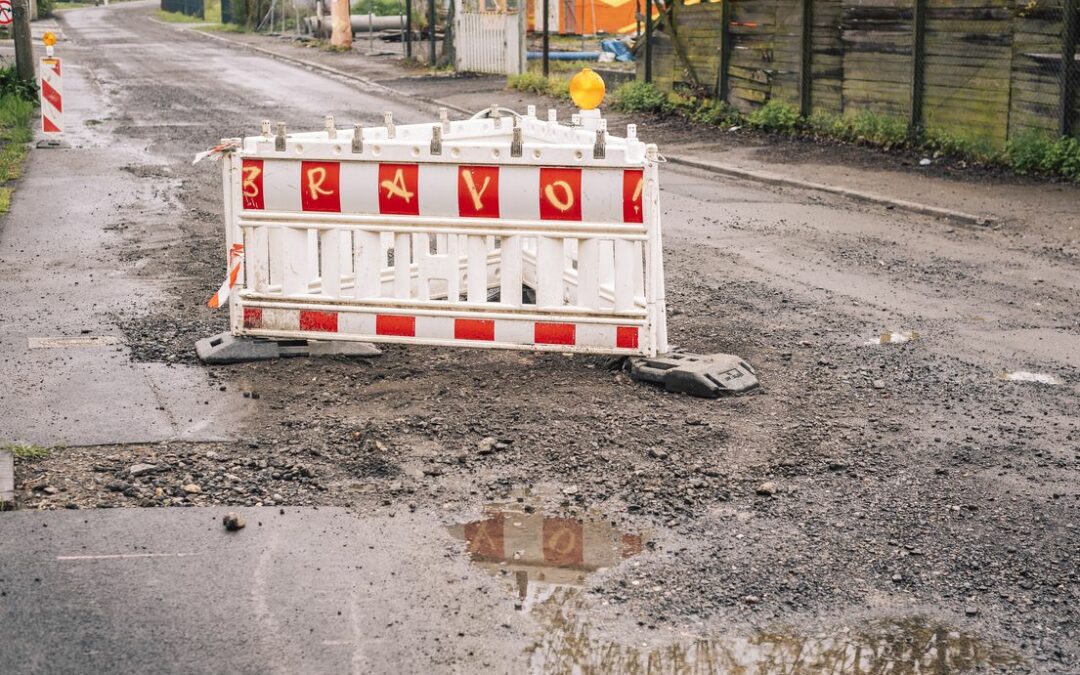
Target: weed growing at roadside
11	83
1036	152
535	83
775	117
23	451
637	96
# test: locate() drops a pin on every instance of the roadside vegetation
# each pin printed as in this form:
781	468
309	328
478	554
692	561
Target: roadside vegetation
17	98
535	83
1032	153
23	451
378	7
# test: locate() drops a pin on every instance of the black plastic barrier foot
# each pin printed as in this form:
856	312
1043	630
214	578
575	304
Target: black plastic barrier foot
229	348
702	375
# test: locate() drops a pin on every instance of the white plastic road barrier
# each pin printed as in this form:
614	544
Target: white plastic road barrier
500	232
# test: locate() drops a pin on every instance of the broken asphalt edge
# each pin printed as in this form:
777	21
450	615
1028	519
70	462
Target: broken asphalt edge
763	177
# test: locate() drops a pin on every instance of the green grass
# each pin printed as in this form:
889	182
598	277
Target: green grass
378	7
224	28
177	17
556	87
15	134
23	451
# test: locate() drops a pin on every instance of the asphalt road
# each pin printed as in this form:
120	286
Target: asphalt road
925	509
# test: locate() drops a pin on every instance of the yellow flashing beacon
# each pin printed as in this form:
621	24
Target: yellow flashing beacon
587	89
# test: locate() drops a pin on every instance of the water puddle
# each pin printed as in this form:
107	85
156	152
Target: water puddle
546	561
541	553
894	338
1025	376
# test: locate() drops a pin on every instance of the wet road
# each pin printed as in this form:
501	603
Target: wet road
914	482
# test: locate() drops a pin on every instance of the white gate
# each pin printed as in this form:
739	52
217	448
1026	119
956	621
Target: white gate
504	232
488	37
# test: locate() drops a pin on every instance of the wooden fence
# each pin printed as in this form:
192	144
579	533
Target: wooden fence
980	70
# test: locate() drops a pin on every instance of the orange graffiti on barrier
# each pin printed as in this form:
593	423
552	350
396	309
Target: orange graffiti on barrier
560	194
252	190
398	189
478	191
633	185
321	186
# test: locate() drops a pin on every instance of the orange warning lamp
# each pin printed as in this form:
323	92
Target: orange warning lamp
49	38
587	89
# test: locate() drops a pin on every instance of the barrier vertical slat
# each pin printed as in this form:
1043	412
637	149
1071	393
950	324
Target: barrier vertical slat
588	274
549	268
295	277
258	259
477	269
276	262
607	264
624	275
510	272
345	249
330	249
650	209
424	260
453	275
402	264
639	269
313	254
368	264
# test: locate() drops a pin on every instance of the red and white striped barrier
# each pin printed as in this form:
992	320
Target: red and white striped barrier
509	232
52	96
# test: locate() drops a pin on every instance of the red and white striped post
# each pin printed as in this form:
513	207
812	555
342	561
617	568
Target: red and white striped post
52	97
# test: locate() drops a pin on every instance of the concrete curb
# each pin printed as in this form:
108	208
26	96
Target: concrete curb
855	195
764	177
7	479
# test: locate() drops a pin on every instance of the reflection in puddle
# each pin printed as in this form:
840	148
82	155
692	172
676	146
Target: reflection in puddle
548	559
542	553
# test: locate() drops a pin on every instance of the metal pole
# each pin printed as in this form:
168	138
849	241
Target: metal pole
806	81
431	29
547	40
918	53
408	29
1069	31
721	92
648	41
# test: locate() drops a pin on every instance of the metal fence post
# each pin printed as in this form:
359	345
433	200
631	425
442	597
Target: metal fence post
1068	72
648	41
918	43
431	29
806	75
547	40
408	29
721	91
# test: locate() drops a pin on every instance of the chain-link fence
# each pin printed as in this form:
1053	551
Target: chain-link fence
983	71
